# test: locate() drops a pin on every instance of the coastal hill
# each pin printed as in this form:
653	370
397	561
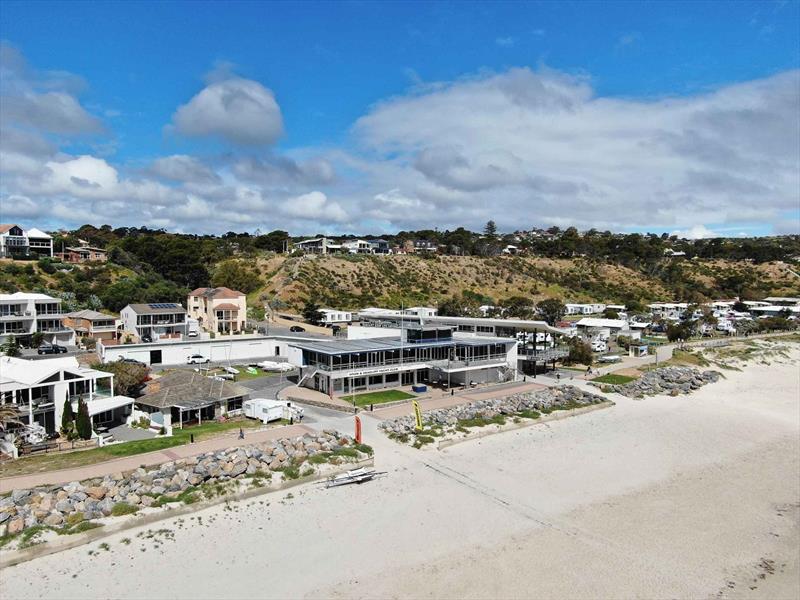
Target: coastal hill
355	281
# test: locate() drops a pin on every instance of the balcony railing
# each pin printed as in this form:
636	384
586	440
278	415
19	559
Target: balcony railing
461	363
542	353
366	364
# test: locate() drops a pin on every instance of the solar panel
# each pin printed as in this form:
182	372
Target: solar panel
163	305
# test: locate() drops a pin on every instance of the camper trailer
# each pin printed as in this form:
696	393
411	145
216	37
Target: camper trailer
271	410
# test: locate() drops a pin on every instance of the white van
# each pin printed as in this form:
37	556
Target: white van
271	410
599	346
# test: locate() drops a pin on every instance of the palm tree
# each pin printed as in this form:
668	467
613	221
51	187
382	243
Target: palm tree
9	414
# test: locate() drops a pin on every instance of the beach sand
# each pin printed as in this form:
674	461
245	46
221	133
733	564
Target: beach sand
668	497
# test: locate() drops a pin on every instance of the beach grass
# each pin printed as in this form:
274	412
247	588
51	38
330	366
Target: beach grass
614	379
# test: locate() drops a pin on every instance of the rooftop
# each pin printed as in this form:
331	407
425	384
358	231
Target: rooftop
91	315
24	296
188	390
392	343
592	322
217	293
29	372
157	308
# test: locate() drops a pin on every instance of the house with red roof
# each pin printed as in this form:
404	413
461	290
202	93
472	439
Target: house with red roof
220	309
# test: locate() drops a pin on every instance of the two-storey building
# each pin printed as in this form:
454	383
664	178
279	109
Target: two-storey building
15	241
220	309
22	314
39	389
150	322
93	324
420	354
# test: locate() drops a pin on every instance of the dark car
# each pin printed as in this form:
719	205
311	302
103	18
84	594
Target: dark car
51	349
124	359
296	329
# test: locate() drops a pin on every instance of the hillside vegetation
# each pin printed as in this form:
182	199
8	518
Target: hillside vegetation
361	280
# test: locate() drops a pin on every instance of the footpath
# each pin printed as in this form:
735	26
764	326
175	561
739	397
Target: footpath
158	457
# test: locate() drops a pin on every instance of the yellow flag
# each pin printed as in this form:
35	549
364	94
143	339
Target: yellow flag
417	414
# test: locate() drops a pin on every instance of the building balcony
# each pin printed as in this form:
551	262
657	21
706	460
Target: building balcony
17	316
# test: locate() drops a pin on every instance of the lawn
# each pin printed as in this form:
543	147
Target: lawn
66	460
378	397
612	379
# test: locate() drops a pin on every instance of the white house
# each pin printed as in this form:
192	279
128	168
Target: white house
334	317
584	309
357	247
671	311
15	240
22	314
424	312
604	328
321	245
782	301
39	389
154	321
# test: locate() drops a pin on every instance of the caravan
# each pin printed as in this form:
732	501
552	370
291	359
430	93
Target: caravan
271	410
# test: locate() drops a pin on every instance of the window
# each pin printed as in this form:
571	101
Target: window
235	404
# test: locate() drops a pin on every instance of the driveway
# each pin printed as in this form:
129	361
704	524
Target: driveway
268	386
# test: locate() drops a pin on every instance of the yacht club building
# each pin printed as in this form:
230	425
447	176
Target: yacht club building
428	354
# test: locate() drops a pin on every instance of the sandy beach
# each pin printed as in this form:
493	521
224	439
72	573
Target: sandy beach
692	496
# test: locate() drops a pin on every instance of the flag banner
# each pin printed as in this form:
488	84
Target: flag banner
358	429
417	414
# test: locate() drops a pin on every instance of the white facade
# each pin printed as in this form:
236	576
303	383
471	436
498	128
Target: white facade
157	320
321	245
39	389
357	247
332	317
584	309
671	311
15	240
240	348
23	314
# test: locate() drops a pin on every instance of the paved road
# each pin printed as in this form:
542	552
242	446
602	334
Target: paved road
32	354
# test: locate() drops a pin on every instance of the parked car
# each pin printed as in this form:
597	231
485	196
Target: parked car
197	359
192	334
147	339
296	329
51	349
125	359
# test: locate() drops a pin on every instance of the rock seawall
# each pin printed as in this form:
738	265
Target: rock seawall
60	506
666	380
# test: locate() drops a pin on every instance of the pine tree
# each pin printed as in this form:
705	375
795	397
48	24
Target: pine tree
490	230
83	423
67	418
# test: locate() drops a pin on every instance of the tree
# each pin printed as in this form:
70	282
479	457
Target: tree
236	275
9	413
36	339
610	313
490	230
11	347
679	331
740	306
551	310
311	312
128	376
67	419
518	307
579	352
83	424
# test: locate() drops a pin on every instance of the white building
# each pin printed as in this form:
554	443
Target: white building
357	247
23	314
424	312
602	328
782	301
15	240
670	311
584	309
154	321
321	245
335	317
39	389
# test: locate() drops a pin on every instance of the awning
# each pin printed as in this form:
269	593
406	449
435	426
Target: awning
99	405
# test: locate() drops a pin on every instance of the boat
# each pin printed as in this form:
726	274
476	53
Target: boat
355	476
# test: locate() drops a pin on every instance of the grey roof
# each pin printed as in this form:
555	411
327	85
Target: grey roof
392	343
157	308
189	390
91	315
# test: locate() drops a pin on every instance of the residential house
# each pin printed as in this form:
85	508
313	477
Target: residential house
39	389
671	311
334	317
181	397
584	309
154	321
357	247
93	324
220	309
22	314
782	301
321	245
425	246
380	246
601	328
82	254
14	241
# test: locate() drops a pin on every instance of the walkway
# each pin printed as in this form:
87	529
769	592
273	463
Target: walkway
150	458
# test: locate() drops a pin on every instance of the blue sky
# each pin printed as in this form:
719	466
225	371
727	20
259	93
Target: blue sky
334	67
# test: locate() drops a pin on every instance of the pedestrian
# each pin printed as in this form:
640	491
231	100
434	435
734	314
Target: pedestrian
589	370
241	433
558	376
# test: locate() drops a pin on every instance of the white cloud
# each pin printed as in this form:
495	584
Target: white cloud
314	206
237	110
696	232
505	42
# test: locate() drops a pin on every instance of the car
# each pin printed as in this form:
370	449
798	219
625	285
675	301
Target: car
125	359
296	329
51	349
192	334
197	359
147	339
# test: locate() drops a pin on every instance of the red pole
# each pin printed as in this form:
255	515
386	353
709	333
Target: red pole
358	429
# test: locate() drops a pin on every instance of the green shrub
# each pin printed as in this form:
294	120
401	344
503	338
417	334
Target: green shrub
123	508
365	449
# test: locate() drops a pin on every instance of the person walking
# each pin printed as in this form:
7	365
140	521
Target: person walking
241	433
